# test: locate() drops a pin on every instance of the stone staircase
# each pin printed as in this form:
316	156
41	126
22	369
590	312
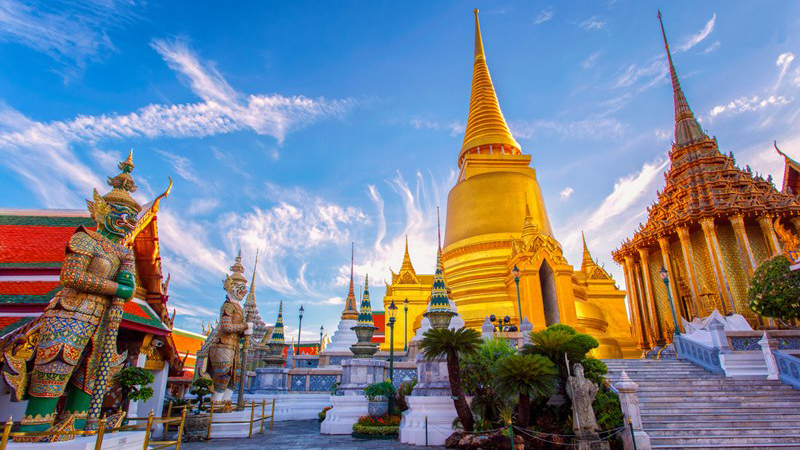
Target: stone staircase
686	407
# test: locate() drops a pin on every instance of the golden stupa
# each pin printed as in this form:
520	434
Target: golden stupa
496	220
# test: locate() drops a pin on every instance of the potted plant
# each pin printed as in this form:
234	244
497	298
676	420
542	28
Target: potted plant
378	396
133	382
196	425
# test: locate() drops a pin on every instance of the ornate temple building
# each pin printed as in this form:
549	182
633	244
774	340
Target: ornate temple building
710	228
497	220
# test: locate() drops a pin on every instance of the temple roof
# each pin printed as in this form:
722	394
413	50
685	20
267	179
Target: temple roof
791	174
485	124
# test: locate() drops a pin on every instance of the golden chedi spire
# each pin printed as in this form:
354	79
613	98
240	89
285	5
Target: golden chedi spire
587	262
486	125
529	228
407	267
350	312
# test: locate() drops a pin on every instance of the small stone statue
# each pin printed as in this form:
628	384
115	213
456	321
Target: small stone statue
584	423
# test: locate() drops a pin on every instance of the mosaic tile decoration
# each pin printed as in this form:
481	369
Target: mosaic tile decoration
403	375
298	383
322	383
745	343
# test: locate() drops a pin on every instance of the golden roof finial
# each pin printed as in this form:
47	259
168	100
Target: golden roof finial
529	228
406	266
485	124
587	257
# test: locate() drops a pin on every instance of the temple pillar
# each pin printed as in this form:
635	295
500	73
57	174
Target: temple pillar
737	222
691	273
765	222
663	243
720	274
649	333
658	335
634	303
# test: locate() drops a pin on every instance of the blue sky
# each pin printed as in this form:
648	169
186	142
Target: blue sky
298	127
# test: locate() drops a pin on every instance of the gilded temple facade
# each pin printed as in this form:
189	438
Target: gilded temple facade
710	228
496	220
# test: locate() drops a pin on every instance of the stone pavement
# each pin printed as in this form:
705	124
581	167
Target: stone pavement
299	435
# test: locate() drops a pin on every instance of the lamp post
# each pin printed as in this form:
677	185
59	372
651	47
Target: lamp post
665	277
321	329
392	314
515	271
405	325
299	329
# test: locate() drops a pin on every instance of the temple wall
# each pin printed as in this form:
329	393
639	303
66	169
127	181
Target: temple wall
706	281
758	244
734	265
655	261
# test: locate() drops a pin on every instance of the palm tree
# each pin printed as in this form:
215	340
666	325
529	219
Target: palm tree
452	344
528	375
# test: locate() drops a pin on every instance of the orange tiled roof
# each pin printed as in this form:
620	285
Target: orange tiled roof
36	241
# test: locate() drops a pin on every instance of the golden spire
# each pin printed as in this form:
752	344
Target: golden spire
485	125
407	261
350	312
587	257
529	228
687	130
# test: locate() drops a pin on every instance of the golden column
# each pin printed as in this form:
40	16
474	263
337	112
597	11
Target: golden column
639	327
720	274
688	258
765	222
663	243
649	294
737	222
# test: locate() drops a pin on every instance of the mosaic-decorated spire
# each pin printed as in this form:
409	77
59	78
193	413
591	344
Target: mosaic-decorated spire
687	129
277	331
251	309
350	311
365	313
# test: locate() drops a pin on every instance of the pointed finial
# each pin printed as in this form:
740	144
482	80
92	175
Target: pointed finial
587	257
255	269
687	129
478	39
406	244
438	224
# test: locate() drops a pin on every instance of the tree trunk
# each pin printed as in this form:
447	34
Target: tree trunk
460	400
524	410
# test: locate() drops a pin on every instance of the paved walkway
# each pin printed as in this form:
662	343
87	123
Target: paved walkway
299	435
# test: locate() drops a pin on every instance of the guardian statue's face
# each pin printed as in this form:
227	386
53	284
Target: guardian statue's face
120	220
236	290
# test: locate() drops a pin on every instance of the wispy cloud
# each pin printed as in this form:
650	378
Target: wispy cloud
543	16
590	60
70	32
747	104
698	37
783	62
566	193
454	127
587	129
714	45
592	23
181	165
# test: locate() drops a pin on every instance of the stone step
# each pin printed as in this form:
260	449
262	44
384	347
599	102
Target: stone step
672	417
774	446
734	438
695	399
717	395
788	412
721	431
725	387
702	422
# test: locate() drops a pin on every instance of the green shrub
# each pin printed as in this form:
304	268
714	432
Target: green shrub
595	370
322	414
608	410
375	431
386	420
775	290
134	381
382	389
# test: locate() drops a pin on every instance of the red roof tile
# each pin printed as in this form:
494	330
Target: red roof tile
33	244
27	287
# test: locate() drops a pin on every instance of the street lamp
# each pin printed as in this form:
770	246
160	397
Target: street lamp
392	314
405	325
515	271
321	329
299	329
665	277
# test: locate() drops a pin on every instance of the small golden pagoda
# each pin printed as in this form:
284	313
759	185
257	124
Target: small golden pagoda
711	227
497	220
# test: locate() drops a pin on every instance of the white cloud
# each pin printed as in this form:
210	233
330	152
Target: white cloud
748	104
698	37
70	32
590	61
588	129
66	179
203	205
566	193
182	166
784	61
714	45
543	16
454	127
646	76
592	23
